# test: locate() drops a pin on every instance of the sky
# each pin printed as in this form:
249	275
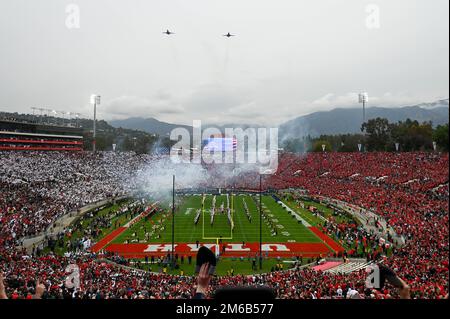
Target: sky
288	58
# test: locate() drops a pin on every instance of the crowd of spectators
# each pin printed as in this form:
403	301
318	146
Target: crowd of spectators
39	187
401	188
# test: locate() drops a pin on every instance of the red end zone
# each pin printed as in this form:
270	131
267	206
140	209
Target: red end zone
106	240
326	239
231	250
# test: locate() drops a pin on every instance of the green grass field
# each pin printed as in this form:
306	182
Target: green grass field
288	229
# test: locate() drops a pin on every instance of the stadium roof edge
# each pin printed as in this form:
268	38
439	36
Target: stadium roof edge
40	135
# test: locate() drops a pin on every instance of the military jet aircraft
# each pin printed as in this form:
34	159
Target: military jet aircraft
168	32
228	35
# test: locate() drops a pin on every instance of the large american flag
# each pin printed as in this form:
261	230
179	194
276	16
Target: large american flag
221	144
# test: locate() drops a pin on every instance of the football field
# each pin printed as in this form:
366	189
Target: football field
278	226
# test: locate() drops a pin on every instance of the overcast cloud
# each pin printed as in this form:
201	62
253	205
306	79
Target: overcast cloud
289	58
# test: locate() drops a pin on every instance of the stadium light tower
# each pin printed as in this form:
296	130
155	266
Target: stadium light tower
95	99
77	118
363	98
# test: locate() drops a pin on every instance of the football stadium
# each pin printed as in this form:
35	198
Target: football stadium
73	210
327	196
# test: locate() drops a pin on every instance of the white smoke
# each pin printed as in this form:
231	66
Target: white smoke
155	177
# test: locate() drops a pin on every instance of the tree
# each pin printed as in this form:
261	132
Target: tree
440	136
412	136
349	142
144	143
127	144
318	146
378	132
296	145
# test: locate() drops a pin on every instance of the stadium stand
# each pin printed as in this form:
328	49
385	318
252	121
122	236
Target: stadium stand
22	134
349	266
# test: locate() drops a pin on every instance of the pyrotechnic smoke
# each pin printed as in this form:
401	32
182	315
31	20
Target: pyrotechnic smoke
155	177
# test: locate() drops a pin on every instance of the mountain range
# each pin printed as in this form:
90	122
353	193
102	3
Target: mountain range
349	120
149	125
335	121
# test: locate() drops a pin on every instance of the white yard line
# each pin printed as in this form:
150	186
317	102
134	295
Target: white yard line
141	215
297	216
